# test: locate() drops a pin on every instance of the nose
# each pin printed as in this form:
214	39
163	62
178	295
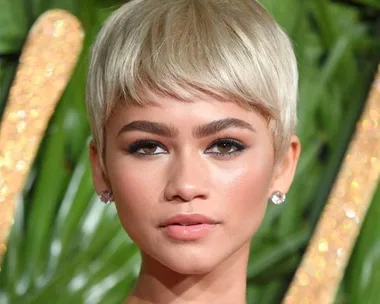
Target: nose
187	180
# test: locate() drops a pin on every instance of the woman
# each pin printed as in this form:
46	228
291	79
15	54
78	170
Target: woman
192	105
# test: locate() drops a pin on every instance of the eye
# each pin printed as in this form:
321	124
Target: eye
146	148
225	146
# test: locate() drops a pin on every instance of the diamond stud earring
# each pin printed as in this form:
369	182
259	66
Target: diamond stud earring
278	197
106	196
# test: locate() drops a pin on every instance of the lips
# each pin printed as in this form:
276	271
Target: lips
188	227
188	220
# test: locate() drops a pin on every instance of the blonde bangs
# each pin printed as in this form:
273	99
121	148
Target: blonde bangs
231	50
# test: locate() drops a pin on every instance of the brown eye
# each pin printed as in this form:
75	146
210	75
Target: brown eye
224	147
149	149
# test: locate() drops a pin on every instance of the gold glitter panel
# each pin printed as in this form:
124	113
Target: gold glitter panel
47	61
323	266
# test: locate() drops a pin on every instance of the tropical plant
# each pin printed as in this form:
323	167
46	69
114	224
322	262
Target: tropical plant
67	247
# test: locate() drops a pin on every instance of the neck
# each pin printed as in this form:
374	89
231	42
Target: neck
160	285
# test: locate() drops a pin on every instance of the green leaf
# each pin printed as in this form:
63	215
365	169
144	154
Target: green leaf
363	277
13	26
69	247
271	254
371	3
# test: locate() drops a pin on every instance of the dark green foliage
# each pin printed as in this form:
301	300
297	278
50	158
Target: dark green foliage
67	246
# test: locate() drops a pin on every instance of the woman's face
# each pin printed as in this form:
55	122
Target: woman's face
190	180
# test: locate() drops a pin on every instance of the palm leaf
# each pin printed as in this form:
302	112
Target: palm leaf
67	246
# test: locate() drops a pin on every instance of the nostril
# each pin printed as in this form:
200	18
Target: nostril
185	188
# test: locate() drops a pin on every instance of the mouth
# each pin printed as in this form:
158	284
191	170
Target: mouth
188	227
187	220
185	224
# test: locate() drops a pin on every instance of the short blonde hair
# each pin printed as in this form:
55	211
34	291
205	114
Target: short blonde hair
230	49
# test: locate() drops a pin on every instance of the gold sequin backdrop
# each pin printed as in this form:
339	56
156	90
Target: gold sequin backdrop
41	78
48	58
318	277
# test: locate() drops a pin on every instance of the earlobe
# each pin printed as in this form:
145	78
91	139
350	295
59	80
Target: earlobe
283	176
98	174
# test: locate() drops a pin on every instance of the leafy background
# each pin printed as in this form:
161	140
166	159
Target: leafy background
66	247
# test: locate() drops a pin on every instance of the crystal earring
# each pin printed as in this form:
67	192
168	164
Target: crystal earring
106	196
278	197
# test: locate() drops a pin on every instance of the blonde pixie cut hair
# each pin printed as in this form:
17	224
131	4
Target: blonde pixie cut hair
232	50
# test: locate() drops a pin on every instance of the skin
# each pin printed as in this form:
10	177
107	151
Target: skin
186	173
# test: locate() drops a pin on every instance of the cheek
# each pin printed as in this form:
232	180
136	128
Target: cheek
249	190
134	181
247	194
136	192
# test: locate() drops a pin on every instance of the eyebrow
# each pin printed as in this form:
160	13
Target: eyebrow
150	127
220	125
205	130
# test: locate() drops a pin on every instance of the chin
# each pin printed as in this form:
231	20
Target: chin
190	262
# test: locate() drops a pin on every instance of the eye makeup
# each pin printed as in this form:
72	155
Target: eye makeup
224	147
149	148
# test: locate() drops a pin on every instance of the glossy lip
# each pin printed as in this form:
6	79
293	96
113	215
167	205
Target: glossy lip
188	227
188	220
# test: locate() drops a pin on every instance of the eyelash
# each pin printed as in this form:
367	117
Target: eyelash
239	146
141	144
135	147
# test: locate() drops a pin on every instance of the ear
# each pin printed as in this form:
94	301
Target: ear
284	171
98	175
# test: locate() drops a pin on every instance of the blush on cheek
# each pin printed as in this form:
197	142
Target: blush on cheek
248	194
